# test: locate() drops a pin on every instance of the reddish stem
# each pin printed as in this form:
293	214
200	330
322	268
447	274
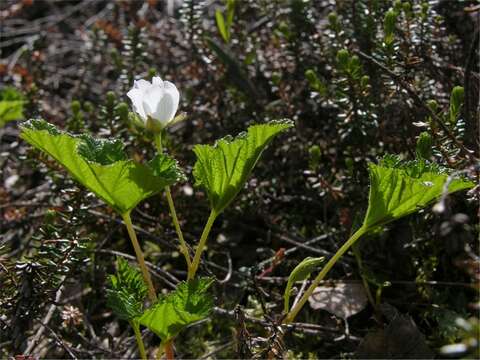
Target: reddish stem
169	355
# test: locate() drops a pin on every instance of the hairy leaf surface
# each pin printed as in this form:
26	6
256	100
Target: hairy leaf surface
127	291
189	302
102	166
222	169
399	188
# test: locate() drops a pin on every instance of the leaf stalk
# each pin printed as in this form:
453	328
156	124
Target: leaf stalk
173	212
152	295
299	305
138	337
201	245
176	224
169	354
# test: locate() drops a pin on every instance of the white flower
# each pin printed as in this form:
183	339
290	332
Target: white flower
156	103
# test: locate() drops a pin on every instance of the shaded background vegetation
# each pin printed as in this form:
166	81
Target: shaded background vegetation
359	78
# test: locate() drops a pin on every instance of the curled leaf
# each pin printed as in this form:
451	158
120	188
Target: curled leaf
301	272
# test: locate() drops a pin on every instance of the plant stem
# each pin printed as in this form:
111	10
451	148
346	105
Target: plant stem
141	261
173	212
169	354
201	245
157	138
138	337
298	306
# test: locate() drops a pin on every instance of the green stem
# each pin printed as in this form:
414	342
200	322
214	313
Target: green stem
173	212
201	245
141	261
176	224
158	142
298	306
138	337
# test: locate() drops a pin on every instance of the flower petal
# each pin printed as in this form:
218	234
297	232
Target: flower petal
157	80
136	95
164	111
148	109
172	92
151	98
157	100
167	107
141	84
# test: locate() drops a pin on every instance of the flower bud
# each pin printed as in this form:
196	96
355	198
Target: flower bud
433	105
343	57
424	146
155	103
332	19
75	106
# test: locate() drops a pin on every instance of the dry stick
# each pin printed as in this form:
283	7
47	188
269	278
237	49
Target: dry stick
229	272
141	261
46	320
468	69
294	326
217	350
358	256
61	342
284	279
300	292
406	86
138	229
299	242
165	276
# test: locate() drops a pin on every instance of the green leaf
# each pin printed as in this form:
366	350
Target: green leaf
221	25
222	169
189	303
101	151
424	146
456	102
400	188
102	167
343	59
301	272
389	23
127	291
315	83
11	105
230	13
9	93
